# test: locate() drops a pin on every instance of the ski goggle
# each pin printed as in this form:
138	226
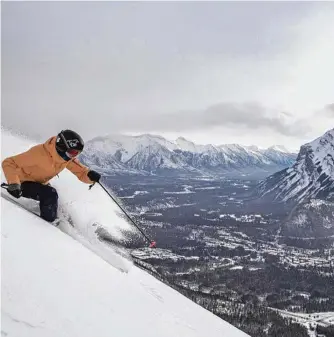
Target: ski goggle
72	153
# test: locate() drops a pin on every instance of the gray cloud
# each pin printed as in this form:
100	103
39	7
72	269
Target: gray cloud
249	115
329	110
103	67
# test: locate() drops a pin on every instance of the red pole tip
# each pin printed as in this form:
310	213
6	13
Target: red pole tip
153	244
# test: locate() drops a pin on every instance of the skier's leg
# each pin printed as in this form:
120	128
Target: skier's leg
49	203
47	196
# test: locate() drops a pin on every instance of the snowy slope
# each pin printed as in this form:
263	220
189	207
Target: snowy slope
75	197
151	153
52	285
311	176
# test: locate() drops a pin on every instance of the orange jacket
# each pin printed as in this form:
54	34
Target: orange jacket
40	164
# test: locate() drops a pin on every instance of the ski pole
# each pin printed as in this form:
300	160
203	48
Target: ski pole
152	243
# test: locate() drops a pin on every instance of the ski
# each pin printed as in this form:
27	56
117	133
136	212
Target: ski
14	201
17	203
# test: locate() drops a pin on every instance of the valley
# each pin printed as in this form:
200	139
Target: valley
247	233
223	249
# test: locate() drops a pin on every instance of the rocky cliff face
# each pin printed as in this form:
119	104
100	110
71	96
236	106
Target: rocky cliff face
311	176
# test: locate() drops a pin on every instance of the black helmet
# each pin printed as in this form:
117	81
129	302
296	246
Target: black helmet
70	143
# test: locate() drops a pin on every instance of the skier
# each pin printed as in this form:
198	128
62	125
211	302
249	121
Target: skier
28	173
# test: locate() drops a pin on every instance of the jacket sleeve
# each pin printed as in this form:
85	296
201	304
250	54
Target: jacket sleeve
79	170
12	165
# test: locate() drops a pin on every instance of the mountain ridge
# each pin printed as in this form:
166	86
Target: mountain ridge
153	154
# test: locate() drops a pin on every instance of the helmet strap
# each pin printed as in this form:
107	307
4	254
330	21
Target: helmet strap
63	139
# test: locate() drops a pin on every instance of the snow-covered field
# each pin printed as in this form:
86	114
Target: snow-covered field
160	254
135	194
186	190
244	218
55	284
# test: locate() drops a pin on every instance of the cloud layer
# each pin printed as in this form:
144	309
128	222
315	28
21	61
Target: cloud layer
329	110
249	115
104	67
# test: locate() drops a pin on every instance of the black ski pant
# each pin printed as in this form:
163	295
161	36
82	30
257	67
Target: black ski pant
46	195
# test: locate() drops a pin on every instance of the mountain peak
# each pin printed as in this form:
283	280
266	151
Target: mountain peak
311	176
187	145
279	148
183	139
150	136
321	142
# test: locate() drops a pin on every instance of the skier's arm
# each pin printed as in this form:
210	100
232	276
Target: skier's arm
13	164
79	170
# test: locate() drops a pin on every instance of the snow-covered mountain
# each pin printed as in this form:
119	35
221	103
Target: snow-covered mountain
55	284
122	153
311	176
308	185
154	154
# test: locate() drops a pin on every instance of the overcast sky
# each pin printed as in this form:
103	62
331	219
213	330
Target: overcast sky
218	72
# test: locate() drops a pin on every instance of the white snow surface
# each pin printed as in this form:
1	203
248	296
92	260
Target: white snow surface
53	285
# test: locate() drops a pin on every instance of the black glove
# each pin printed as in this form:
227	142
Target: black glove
94	176
14	190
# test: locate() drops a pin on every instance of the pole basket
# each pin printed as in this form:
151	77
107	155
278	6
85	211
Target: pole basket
153	244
